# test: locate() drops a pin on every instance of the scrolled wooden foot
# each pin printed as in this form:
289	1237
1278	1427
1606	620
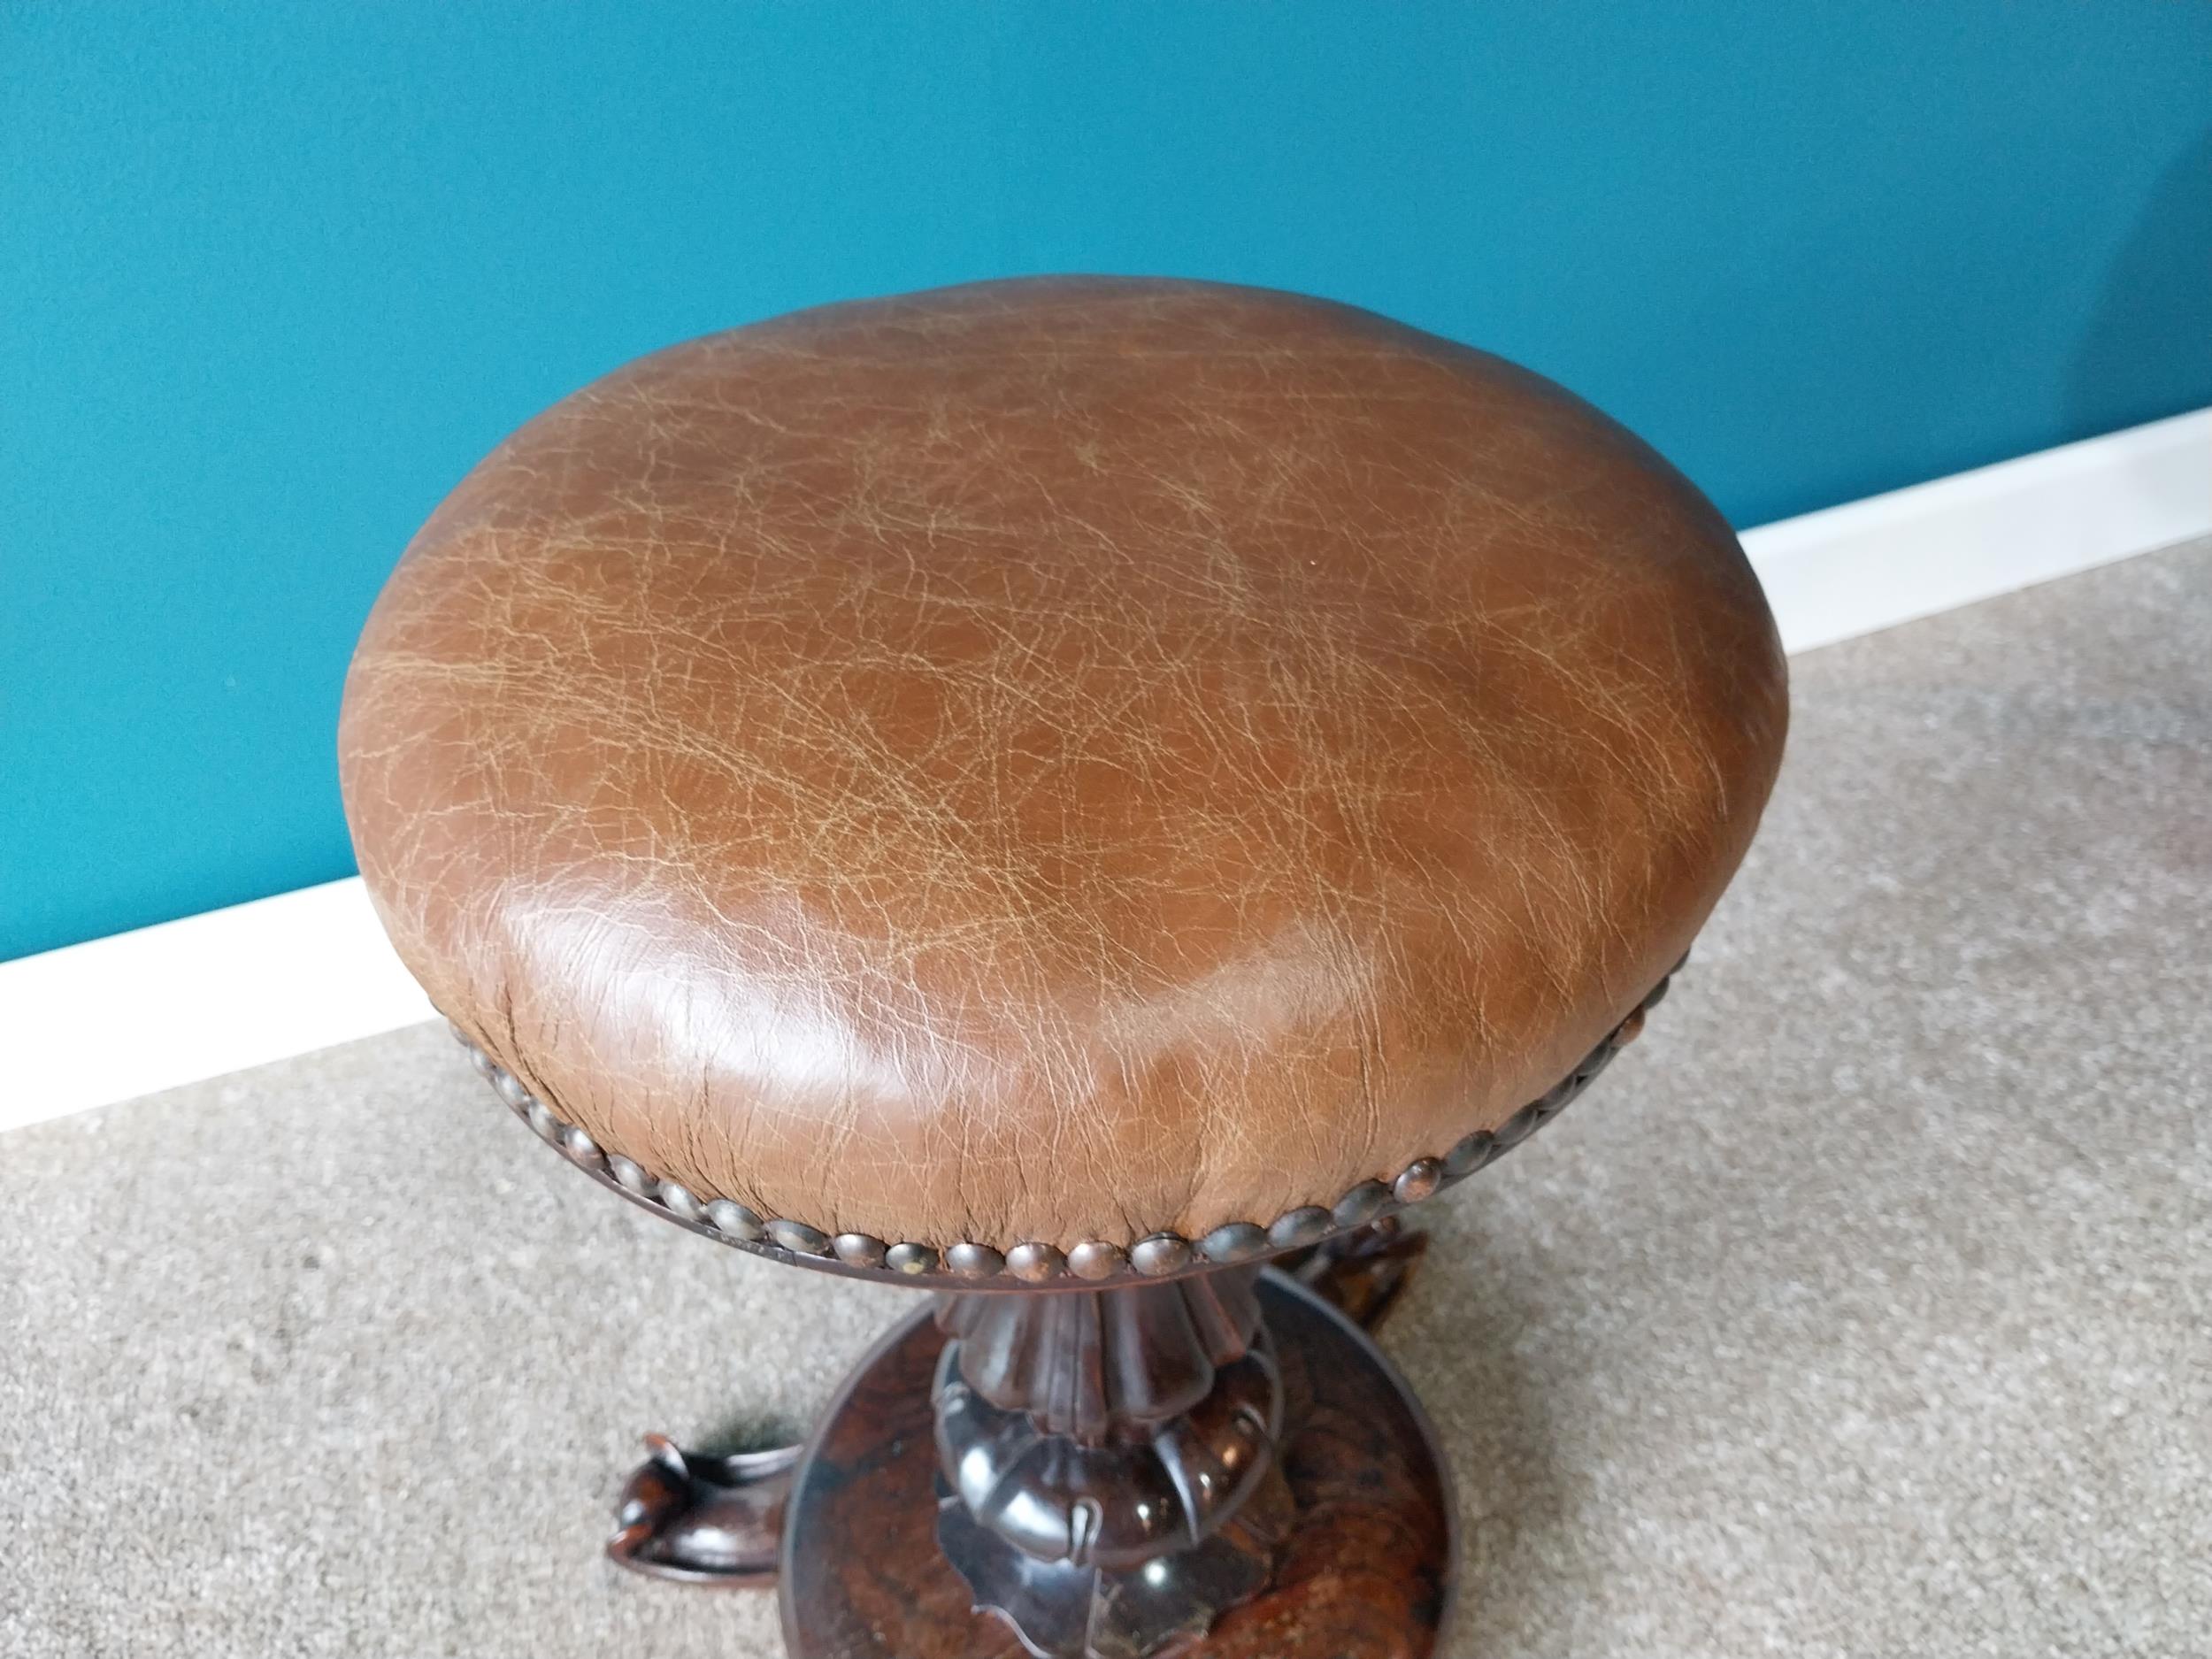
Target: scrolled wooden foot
703	1519
1365	1272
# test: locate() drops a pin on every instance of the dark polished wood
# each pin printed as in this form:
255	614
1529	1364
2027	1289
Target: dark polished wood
1355	1522
1097	1452
1092	1364
1366	1273
702	1518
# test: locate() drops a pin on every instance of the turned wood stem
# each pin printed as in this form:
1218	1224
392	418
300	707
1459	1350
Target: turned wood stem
1098	1365
1106	1428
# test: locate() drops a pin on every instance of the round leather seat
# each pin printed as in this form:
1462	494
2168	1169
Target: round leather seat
1050	762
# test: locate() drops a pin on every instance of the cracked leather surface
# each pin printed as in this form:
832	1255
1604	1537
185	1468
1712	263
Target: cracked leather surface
1057	759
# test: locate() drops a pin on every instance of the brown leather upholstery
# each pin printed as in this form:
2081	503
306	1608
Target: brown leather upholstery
1054	760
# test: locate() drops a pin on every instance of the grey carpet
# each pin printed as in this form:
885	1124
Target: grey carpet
1862	1309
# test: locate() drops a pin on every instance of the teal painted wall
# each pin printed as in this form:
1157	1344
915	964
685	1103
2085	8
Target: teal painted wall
271	278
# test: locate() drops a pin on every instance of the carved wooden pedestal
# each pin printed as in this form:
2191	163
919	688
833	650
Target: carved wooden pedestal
1222	1464
1335	1545
1107	1475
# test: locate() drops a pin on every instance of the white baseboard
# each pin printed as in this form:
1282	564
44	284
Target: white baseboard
1887	559
116	1018
126	1016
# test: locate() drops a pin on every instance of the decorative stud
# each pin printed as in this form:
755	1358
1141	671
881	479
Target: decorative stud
1515	1129
1033	1264
1420	1178
910	1258
857	1249
678	1200
1298	1228
1235	1242
486	1066
1161	1252
511	1089
543	1123
1469	1154
1361	1205
974	1261
1094	1258
799	1239
581	1149
733	1220
630	1176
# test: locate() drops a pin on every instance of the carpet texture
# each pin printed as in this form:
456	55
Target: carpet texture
1864	1307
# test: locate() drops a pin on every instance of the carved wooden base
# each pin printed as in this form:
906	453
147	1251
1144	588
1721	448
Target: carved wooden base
1358	1530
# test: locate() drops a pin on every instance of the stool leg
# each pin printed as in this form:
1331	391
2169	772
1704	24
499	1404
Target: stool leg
700	1518
1365	1272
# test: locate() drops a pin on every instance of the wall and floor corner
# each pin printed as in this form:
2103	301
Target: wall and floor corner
275	280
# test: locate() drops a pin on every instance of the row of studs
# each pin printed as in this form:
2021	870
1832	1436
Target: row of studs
1153	1256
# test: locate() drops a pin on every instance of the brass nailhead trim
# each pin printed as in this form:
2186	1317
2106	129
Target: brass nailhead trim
1093	1260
